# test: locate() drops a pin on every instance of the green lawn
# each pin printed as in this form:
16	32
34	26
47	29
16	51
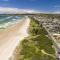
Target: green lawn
36	46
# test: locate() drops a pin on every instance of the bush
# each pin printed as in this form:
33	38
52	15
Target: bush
35	29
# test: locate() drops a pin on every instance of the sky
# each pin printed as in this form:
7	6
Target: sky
36	5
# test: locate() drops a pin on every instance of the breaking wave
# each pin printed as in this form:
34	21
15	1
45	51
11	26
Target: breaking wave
8	21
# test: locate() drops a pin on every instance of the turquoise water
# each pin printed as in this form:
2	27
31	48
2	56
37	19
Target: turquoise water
6	20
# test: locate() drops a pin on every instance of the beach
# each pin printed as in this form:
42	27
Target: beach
10	38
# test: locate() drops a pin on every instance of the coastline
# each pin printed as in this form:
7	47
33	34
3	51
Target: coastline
11	37
34	47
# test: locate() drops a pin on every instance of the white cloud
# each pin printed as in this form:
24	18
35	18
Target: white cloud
7	10
57	6
16	10
5	0
56	9
32	0
56	12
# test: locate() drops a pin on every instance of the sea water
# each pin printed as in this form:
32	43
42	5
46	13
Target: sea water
7	20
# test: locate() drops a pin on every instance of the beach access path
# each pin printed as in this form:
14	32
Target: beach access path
10	38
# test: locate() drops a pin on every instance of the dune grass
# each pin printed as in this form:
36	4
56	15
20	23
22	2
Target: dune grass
31	47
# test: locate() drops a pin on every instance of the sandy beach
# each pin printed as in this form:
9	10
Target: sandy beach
10	38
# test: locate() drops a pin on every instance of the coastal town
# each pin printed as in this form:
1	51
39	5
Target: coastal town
52	26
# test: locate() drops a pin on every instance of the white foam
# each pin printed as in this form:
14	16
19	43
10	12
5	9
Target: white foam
5	25
6	18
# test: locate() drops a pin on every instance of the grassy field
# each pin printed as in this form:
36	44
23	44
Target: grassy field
37	46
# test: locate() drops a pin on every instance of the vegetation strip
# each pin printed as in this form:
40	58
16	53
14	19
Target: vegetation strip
31	47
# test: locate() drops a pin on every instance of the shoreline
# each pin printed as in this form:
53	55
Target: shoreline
11	37
35	45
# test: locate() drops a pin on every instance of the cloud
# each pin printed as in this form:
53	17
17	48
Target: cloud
7	10
56	9
16	10
32	0
5	0
56	12
57	6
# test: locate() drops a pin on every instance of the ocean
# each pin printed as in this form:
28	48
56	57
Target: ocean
6	20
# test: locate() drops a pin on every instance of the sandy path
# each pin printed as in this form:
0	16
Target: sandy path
10	38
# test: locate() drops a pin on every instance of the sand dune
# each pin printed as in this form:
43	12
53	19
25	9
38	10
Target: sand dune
11	37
